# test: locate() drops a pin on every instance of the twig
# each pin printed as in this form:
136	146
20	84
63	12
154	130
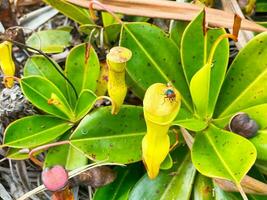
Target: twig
170	10
232	6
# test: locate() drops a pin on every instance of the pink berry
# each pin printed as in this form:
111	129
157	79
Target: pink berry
55	178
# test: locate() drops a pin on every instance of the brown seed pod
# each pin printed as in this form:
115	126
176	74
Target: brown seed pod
243	125
95	177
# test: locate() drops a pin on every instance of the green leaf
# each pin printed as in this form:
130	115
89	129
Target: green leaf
189	121
83	72
175	183
34	130
75	159
19	154
257	197
194	59
199	89
50	41
40	90
65	155
203	188
121	187
222	154
261	6
78	14
88	28
155	59
84	104
257	113
260	142
41	66
167	163
245	83
102	136
108	19
176	31
112	33
57	155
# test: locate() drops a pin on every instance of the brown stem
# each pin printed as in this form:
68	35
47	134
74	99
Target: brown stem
44	147
104	7
171	10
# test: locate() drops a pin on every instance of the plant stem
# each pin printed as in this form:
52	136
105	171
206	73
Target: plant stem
91	10
216	43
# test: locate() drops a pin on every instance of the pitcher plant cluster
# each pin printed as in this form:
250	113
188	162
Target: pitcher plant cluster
221	109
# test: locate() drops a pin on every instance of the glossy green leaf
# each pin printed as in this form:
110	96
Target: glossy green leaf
199	89
50	41
257	113
82	67
121	187
19	154
65	155
135	89
222	154
155	59
40	91
203	188
175	183
75	159
84	104
34	130
41	66
189	121
57	156
108	19
176	31
245	83
167	163
195	58
102	136
78	14
260	142
112	33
